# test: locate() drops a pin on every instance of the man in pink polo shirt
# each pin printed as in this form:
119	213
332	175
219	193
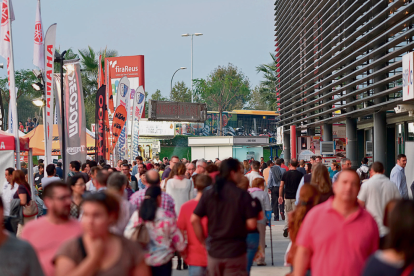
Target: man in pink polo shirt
49	232
337	236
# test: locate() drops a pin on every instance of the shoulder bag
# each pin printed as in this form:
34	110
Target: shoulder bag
30	209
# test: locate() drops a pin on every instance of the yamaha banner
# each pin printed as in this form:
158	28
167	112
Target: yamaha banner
138	108
49	55
74	116
122	99
100	137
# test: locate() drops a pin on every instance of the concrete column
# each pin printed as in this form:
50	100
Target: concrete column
352	145
380	137
327	132
286	147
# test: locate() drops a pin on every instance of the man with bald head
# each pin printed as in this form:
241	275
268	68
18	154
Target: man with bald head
153	179
336	228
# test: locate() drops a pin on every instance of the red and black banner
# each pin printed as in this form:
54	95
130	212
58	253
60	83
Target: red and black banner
100	124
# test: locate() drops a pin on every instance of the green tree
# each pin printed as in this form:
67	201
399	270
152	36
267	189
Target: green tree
225	88
180	93
267	87
25	94
257	102
89	60
157	96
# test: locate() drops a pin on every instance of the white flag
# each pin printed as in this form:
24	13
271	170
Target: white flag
6	50
38	51
50	39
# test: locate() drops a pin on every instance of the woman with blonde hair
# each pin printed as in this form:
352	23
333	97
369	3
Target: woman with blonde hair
321	180
309	197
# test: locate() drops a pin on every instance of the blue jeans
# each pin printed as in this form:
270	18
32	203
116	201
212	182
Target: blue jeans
197	270
252	245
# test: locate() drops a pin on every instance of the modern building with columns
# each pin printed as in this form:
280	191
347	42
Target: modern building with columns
341	61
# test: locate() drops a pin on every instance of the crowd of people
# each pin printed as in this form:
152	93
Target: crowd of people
133	219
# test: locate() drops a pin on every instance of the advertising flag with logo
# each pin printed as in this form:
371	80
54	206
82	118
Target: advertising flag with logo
50	39
118	124
75	122
58	117
122	99
138	109
6	51
100	127
38	59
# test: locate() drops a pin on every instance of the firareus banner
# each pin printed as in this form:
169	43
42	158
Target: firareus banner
122	99
75	122
138	109
118	124
49	55
100	141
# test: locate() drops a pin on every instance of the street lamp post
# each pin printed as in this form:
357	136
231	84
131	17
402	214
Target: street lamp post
192	35
60	58
181	68
40	102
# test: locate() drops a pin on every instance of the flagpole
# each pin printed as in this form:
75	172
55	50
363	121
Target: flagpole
12	87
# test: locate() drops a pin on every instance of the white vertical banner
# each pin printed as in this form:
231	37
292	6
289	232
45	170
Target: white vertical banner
6	50
123	98
407	71
38	50
50	39
137	111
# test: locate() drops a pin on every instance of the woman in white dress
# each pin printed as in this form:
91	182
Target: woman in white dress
179	187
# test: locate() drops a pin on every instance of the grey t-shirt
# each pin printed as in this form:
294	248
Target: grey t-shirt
18	257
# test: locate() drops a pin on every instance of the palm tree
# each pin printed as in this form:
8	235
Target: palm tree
89	61
268	85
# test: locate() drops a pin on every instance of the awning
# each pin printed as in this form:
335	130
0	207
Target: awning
7	142
37	141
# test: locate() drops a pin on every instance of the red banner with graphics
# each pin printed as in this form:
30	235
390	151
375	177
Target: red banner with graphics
118	124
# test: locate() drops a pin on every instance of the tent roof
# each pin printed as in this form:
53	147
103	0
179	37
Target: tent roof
37	141
21	134
7	142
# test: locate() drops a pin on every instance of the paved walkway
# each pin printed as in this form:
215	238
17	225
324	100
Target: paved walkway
279	248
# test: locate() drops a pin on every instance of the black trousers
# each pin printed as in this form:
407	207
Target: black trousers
275	203
162	270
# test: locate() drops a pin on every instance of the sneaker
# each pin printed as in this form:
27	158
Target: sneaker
276	219
285	233
261	264
282	215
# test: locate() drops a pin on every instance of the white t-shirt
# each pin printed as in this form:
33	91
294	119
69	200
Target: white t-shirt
8	193
376	193
181	191
46	181
252	176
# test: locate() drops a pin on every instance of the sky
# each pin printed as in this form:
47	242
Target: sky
240	32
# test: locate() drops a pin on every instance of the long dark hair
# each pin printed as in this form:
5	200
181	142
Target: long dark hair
150	205
401	224
226	167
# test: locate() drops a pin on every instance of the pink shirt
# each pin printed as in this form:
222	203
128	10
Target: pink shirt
339	246
46	238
